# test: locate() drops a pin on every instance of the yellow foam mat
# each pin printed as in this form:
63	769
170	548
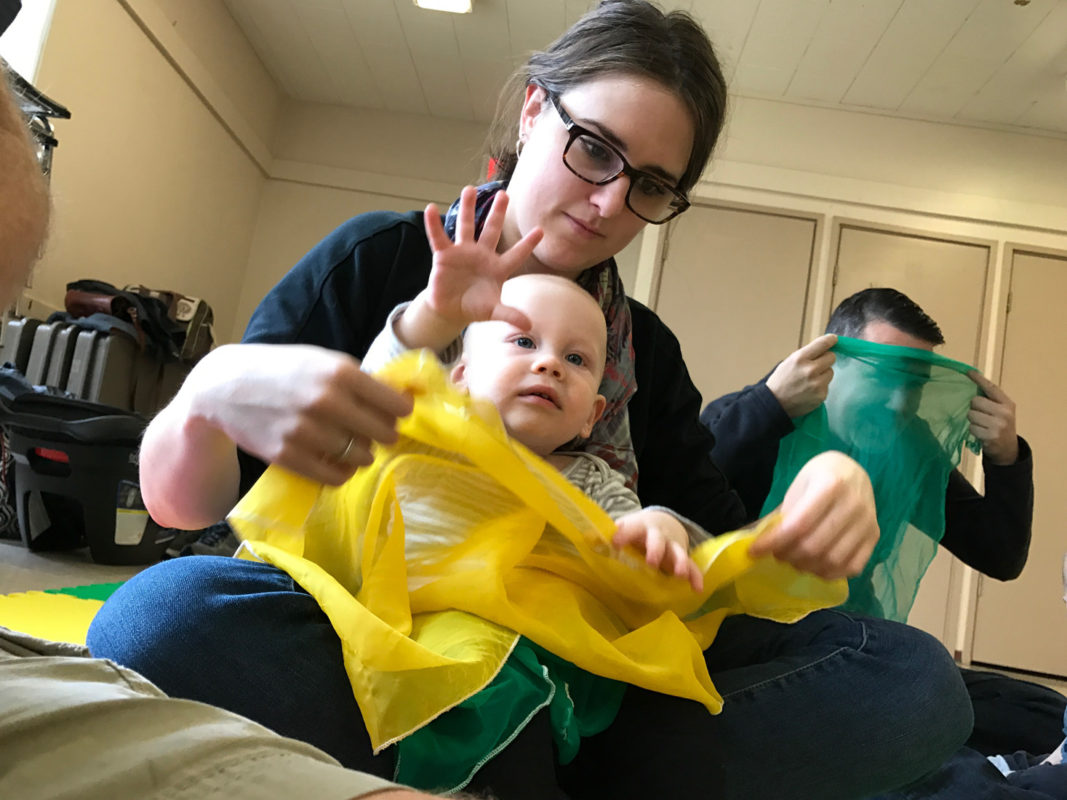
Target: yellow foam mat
59	617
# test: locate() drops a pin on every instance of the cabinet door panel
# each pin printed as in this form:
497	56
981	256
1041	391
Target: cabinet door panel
946	278
1022	623
732	288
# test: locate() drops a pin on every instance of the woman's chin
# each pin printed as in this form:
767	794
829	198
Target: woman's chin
559	261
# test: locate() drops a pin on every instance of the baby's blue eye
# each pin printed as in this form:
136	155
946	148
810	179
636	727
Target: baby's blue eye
524	341
575	359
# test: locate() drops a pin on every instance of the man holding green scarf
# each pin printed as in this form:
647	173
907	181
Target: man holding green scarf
990	532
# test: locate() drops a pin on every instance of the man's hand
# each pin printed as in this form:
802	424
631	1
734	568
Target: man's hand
800	382
993	421
664	542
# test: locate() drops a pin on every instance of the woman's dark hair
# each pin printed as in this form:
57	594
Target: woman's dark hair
627	37
883	305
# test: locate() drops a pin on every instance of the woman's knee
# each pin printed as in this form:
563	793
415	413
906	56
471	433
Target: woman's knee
165	613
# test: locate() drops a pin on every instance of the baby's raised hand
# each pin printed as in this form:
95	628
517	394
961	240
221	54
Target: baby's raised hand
663	540
467	274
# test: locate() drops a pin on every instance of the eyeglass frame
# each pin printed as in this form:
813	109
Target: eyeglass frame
574	130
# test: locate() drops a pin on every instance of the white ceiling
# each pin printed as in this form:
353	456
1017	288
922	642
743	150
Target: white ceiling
986	62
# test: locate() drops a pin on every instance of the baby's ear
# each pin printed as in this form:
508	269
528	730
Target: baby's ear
459	374
599	404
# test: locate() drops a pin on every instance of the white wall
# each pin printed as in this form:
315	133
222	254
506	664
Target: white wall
207	28
148	187
382	142
293	217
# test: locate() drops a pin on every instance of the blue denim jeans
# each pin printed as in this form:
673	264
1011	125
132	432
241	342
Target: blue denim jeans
1012	714
831	707
968	775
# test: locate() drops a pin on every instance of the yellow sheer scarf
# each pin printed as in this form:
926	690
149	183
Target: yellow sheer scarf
432	561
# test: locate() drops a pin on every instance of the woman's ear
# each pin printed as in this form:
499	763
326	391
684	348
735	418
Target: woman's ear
532	107
599	404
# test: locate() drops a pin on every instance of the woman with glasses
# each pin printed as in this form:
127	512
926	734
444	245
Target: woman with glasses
617	119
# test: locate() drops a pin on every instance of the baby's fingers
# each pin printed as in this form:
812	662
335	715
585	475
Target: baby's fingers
630	532
655	548
678	563
511	315
696	577
517	254
465	218
435	229
494	222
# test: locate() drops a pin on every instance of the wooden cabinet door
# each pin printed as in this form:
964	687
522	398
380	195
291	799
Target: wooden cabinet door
1022	623
947	278
732	288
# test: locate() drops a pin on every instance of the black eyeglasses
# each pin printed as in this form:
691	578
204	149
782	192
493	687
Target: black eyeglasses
596	161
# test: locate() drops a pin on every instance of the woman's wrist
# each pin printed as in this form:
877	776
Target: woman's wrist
188	464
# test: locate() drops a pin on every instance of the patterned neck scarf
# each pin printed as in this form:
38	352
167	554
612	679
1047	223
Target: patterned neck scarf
610	438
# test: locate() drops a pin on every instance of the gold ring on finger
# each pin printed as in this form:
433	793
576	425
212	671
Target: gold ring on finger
347	449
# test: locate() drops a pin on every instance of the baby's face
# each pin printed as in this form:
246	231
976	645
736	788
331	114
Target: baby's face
544	378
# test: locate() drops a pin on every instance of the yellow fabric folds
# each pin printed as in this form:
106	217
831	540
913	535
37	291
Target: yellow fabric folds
432	560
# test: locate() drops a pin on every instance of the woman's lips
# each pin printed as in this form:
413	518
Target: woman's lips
583	229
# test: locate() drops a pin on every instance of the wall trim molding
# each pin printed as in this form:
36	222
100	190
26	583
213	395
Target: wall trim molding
357	180
783	182
149	18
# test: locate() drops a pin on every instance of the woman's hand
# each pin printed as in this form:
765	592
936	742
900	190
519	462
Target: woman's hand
664	542
308	409
828	525
467	274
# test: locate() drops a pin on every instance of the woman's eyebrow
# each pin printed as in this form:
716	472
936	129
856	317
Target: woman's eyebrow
609	136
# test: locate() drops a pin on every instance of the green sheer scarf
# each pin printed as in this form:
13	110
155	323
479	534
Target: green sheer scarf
902	414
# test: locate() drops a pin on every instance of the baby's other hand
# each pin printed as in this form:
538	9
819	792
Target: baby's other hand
663	540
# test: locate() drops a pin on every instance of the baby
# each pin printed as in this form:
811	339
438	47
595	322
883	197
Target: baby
540	362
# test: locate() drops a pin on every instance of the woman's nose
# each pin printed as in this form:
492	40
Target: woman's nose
610	199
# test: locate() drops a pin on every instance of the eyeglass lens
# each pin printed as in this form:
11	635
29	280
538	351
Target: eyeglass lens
592	160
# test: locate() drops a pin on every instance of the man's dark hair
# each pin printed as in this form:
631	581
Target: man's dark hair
883	305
